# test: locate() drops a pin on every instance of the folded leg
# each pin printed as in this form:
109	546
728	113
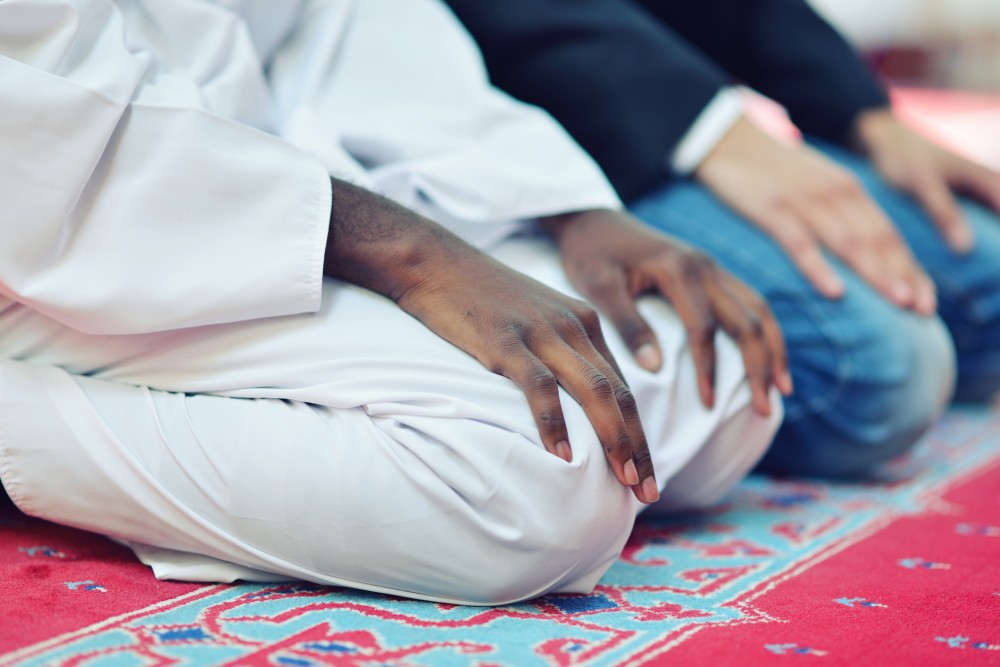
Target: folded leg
351	447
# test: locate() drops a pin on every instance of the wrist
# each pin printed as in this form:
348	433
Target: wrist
741	147
871	128
379	245
556	225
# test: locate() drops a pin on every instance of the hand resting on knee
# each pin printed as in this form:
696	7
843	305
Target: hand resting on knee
540	338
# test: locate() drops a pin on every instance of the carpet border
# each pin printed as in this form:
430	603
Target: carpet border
163	605
744	601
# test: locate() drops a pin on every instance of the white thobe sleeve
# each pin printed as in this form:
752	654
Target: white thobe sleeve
403	90
127	205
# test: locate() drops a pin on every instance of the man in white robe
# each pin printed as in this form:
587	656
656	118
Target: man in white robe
179	375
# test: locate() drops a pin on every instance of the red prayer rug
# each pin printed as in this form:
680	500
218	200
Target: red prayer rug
901	571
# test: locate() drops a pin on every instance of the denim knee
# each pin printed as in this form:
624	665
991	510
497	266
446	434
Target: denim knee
969	298
888	390
869	377
968	283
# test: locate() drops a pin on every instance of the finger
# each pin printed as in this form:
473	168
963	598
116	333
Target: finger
744	325
773	336
800	244
981	183
779	353
611	296
683	285
856	229
594	390
593	337
910	286
541	389
927	303
594	355
933	193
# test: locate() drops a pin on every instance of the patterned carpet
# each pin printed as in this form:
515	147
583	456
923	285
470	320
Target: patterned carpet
902	571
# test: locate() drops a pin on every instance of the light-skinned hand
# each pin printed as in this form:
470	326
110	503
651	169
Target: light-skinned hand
928	172
806	203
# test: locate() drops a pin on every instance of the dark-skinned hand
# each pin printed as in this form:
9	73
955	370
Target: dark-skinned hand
612	259
516	326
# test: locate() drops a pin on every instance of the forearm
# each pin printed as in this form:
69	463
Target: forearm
871	128
377	244
584	63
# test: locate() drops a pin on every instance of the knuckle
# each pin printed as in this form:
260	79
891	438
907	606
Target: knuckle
887	240
551	420
704	261
796	243
511	353
845	185
692	264
642	458
755	301
599	383
834	178
542	379
777	204
763	371
702	322
601	281
751	327
921	178
850	243
701	332
586	317
513	332
623	442
569	325
625	399
633	330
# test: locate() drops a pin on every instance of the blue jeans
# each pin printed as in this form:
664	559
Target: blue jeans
869	377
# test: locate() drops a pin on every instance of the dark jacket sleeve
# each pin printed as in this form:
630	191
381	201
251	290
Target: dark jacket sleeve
786	51
628	86
622	84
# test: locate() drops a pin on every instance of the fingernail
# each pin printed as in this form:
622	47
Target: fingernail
631	474
901	292
786	383
961	238
928	301
834	285
707	395
763	404
648	357
649	491
563	451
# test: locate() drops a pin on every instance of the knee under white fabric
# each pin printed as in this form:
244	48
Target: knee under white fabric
350	447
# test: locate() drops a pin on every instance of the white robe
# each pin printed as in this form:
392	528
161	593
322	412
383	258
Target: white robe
164	198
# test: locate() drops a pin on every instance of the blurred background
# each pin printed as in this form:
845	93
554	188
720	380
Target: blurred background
924	43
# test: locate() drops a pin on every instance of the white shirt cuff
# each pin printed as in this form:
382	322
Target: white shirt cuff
712	124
